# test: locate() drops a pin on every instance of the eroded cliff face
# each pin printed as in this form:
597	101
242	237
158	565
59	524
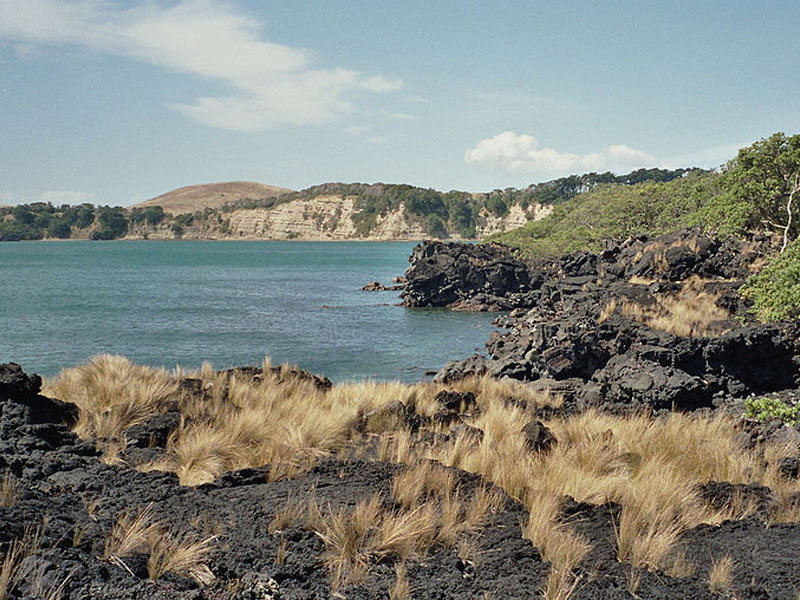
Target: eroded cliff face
320	218
517	216
327	218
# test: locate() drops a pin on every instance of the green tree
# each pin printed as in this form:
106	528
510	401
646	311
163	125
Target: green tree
766	175
58	228
84	216
113	224
435	227
154	215
775	291
23	215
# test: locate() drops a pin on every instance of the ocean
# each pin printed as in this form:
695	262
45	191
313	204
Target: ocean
164	303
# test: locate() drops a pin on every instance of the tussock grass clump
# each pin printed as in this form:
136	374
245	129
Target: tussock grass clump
404	527
368	533
401	590
720	575
137	534
558	545
650	468
183	556
9	490
112	394
16	552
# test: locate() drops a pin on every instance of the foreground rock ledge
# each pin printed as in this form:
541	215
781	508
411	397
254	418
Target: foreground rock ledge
63	488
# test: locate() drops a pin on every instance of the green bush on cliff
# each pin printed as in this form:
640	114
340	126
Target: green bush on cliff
775	291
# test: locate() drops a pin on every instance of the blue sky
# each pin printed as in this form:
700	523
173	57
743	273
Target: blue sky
116	101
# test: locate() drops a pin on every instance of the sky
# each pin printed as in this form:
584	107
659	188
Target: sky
117	101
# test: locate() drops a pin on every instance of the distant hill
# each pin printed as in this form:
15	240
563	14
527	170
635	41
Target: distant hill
192	198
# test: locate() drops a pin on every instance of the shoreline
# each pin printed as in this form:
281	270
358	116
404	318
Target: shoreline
249	239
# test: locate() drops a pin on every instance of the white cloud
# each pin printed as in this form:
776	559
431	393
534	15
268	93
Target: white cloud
54	197
706	158
7	198
508	151
399	116
274	84
58	197
356	130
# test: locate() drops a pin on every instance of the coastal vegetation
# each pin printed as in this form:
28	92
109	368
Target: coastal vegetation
755	191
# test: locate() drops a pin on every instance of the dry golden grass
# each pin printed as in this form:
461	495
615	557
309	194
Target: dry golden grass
692	312
184	556
9	490
16	552
651	468
720	575
129	535
637	280
434	511
166	553
557	544
280	553
401	590
678	565
416	484
355	538
112	394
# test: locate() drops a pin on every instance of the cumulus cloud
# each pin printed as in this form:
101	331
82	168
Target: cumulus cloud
273	84
508	151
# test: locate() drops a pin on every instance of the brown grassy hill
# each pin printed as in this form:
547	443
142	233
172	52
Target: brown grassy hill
192	198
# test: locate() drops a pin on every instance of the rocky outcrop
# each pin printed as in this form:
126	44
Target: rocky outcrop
468	277
582	321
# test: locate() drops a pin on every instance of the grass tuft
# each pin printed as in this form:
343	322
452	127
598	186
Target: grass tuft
720	575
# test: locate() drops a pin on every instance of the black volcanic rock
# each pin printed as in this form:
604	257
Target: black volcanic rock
468	277
19	388
564	326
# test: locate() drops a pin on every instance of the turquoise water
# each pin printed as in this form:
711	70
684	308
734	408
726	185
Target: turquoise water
230	303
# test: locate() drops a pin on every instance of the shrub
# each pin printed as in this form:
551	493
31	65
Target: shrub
58	228
435	227
619	211
113	224
775	291
766	408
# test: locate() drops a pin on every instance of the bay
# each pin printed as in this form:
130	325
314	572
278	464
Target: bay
229	303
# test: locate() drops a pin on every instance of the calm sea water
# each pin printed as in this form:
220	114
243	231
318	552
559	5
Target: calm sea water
230	303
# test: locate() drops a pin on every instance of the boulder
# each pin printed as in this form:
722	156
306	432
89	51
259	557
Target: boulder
474	365
448	274
625	380
538	438
19	388
154	432
455	401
